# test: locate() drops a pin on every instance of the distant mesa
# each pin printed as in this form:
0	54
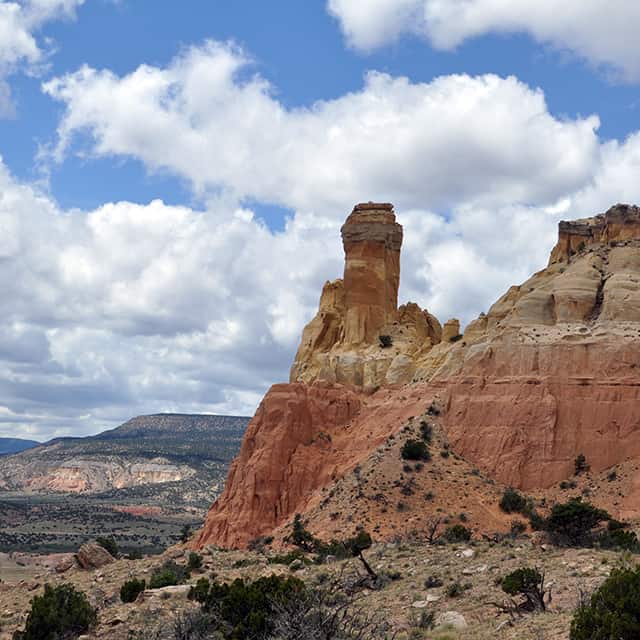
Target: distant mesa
549	372
15	445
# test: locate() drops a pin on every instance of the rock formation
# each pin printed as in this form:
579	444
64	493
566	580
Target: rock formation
549	372
359	337
91	555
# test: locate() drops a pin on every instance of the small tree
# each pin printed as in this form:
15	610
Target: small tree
131	589
300	537
572	523
457	533
109	544
512	501
357	545
528	583
613	611
60	612
195	561
415	450
580	464
185	533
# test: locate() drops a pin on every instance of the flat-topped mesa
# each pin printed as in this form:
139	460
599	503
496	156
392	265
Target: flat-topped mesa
359	336
619	224
372	240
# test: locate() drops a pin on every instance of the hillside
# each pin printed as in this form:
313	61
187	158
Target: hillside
142	481
15	445
153	449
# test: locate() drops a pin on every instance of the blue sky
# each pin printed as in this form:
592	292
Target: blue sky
168	227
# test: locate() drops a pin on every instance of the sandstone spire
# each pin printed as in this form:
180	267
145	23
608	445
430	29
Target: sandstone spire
372	239
343	342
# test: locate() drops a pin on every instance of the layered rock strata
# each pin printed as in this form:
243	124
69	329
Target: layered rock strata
551	371
360	337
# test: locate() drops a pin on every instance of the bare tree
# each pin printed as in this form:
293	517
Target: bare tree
433	524
328	613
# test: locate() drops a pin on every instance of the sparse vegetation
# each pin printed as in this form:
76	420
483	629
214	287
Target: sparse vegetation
457	533
185	533
386	341
168	575
572	523
415	450
61	612
426	431
108	543
580	464
131	589
613	611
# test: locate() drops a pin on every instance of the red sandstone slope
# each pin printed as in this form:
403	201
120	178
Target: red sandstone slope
549	372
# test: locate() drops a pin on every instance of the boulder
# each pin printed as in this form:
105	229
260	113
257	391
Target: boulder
450	620
91	555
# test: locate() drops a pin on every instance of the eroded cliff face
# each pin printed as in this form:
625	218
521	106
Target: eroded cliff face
552	370
343	341
549	372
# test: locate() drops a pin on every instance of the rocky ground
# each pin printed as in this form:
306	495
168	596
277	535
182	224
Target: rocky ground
476	566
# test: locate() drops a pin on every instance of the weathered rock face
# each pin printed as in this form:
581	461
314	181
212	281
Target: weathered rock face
619	223
372	239
93	556
552	370
303	437
343	342
549	372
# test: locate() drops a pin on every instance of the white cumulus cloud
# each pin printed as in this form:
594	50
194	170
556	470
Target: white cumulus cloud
600	31
19	46
207	119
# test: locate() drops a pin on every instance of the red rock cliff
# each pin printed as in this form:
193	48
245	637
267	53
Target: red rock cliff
549	372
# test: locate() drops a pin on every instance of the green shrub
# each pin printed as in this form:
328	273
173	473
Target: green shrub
426	431
168	575
109	544
512	501
245	609
613	611
572	523
59	613
457	533
131	589
200	591
300	537
517	528
537	522
287	558
194	562
618	538
185	533
526	582
386	341
456	589
580	464
415	450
